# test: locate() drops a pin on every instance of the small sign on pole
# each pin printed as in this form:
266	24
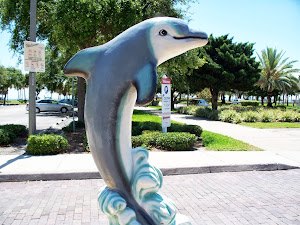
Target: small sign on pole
166	102
34	56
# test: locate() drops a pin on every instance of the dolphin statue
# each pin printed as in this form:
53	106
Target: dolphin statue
120	74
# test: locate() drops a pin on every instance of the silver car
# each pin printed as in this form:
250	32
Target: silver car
49	105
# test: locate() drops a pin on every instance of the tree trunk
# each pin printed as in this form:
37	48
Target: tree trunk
188	97
172	100
214	98
262	100
269	99
81	98
229	98
5	97
287	100
223	99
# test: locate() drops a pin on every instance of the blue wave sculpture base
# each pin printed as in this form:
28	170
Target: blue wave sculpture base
146	182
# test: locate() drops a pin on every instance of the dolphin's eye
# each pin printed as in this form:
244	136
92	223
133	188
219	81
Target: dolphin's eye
163	32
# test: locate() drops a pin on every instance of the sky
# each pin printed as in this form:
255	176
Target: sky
272	23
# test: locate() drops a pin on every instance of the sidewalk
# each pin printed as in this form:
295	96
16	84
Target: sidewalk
81	166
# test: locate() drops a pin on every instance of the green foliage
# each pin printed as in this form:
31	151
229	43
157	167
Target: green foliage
85	143
228	66
251	103
46	144
250	116
218	142
276	72
228	116
139	127
238	114
192	129
5	138
69	128
170	141
18	130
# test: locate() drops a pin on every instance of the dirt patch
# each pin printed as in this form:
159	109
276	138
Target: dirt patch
76	142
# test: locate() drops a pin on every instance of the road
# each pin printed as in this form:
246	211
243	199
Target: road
17	114
270	197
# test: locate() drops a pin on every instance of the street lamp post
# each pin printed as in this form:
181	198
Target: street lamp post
32	81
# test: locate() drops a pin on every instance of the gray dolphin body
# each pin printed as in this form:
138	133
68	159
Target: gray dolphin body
119	74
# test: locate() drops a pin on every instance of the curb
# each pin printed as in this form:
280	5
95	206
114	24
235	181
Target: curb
165	172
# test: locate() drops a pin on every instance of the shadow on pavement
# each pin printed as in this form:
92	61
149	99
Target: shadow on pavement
24	156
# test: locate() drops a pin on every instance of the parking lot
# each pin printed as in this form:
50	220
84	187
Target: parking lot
17	114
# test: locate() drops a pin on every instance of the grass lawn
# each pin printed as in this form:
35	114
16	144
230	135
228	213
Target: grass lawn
219	142
267	125
211	141
155	107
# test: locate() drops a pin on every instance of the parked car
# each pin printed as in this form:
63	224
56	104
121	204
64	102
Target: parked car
236	101
68	101
49	105
200	102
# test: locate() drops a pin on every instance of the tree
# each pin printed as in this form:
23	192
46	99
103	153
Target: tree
9	77
178	69
274	71
69	26
228	66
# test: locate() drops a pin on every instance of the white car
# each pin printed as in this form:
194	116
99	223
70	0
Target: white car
236	101
200	102
49	105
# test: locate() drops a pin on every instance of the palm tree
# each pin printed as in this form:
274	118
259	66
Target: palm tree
274	72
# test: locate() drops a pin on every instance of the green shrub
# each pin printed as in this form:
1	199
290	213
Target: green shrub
289	116
170	141
85	143
69	127
193	129
250	116
238	118
4	137
16	129
228	116
280	107
46	144
267	116
139	127
250	103
155	103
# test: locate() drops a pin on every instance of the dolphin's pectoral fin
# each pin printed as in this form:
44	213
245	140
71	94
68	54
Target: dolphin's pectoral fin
145	82
82	63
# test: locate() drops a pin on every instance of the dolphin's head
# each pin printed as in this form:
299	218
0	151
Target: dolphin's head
169	37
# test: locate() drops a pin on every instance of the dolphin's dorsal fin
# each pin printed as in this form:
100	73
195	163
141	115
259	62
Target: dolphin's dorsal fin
83	62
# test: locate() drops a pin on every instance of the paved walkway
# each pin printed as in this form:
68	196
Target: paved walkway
218	198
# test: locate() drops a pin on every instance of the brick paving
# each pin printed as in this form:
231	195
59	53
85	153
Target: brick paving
215	198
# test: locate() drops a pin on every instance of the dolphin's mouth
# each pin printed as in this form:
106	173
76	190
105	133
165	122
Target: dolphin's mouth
189	37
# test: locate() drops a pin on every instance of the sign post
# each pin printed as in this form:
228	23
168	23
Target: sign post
166	103
34	61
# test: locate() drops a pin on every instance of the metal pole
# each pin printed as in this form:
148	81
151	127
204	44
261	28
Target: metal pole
73	103
32	82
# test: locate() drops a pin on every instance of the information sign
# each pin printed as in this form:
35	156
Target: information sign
166	102
34	56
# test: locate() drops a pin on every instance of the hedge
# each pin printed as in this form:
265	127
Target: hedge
4	137
69	127
9	132
249	103
169	141
139	127
46	144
